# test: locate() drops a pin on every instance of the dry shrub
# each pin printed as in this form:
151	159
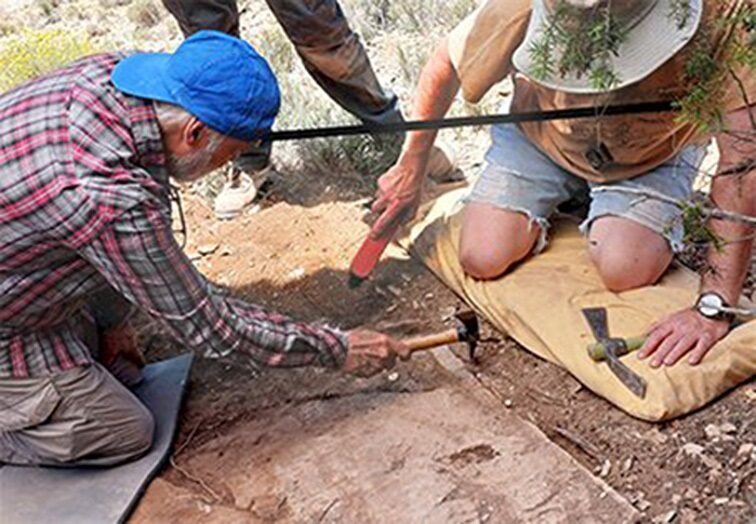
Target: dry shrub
8	25
273	44
144	13
304	107
109	4
406	29
372	18
47	7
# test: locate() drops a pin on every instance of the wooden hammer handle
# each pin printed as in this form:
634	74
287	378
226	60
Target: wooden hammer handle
431	341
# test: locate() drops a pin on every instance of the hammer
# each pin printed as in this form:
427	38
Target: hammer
467	330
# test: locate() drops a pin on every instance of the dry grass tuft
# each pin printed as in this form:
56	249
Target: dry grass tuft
145	13
47	7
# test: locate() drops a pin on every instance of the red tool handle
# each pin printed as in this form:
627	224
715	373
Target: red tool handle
368	255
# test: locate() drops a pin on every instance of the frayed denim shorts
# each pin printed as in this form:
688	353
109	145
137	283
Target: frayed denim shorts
517	176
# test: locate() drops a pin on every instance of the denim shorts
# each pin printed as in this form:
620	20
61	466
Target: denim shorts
517	176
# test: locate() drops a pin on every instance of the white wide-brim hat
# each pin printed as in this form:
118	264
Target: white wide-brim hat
654	38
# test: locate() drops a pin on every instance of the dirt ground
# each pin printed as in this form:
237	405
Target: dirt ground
701	468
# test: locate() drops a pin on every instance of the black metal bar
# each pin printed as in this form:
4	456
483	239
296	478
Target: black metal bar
502	118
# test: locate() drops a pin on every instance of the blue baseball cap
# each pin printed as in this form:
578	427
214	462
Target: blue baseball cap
218	78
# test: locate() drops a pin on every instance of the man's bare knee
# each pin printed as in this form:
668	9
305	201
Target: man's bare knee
494	239
623	269
485	264
627	255
624	275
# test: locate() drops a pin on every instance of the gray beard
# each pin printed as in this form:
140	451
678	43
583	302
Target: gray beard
188	168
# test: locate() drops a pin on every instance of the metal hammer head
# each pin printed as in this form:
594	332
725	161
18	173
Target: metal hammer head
468	330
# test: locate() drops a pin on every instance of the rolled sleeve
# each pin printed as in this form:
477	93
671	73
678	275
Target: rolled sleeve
139	257
481	46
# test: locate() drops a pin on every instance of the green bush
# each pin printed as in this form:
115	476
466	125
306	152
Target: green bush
33	52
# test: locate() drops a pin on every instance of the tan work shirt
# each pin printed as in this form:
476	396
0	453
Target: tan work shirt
481	48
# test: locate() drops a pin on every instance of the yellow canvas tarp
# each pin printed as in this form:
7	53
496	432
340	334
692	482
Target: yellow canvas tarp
539	305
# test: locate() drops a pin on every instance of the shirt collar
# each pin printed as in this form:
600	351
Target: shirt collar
148	139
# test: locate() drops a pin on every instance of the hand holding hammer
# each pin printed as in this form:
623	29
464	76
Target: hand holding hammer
467	329
371	352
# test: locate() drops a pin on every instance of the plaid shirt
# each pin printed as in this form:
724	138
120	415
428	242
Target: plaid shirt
84	204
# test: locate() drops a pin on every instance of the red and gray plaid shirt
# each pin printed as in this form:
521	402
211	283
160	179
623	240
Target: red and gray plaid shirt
83	205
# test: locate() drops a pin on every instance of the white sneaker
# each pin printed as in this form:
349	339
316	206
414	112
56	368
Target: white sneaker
442	164
235	197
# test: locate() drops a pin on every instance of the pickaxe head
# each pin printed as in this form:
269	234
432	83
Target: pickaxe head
468	330
613	348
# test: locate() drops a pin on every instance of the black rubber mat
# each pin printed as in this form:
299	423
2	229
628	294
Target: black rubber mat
99	495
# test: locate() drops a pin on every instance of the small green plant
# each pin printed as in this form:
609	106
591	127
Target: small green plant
33	52
695	222
680	11
580	42
707	74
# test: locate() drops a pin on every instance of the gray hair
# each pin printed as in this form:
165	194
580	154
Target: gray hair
170	115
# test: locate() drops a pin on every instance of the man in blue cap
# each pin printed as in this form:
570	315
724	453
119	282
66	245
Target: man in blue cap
85	238
335	58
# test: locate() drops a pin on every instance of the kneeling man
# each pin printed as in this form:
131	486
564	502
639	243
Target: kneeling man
85	237
594	53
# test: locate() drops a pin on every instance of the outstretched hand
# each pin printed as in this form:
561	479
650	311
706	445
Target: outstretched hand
683	333
371	352
397	198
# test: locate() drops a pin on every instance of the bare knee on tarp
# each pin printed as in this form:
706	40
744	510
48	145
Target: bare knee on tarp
627	254
493	239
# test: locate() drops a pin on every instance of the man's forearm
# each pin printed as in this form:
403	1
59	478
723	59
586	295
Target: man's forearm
139	257
729	265
690	332
734	190
436	89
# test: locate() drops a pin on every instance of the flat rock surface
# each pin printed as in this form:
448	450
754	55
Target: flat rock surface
436	456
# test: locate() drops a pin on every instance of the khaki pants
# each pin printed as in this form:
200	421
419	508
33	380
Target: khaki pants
83	416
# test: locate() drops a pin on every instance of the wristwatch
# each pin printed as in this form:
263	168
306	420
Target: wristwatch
712	306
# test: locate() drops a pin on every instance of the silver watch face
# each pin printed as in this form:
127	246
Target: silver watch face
710	305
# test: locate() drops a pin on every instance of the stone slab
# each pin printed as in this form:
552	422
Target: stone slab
438	456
